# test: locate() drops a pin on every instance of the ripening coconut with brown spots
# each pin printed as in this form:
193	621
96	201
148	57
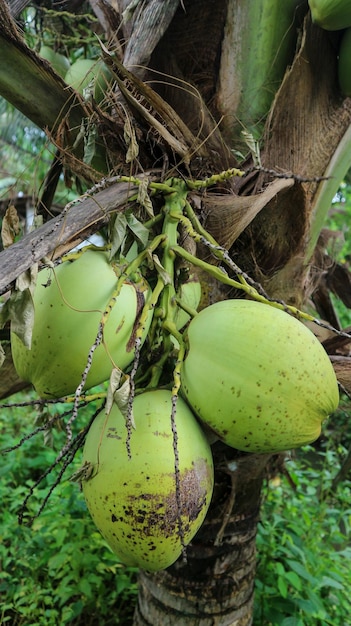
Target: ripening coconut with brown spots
148	502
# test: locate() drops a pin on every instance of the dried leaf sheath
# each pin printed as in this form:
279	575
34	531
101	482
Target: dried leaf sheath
148	106
228	215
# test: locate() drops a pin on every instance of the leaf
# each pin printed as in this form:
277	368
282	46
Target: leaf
161	270
88	90
331	582
9	181
294	580
121	398
132	252
118	393
48	438
84	587
131	141
114	383
312	606
118	234
20	306
280	569
10	227
80	135
301	571
149	105
87	133
253	146
128	12
85	472
42	417
292	621
37	222
89	143
56	561
28	279
138	229
143	197
282	586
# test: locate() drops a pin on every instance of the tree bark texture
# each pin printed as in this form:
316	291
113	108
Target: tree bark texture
63	232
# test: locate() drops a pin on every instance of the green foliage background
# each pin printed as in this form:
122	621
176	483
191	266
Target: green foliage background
59	571
304	549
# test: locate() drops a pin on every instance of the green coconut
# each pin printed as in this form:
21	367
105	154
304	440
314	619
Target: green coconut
133	499
189	294
86	72
257	376
69	303
331	14
59	61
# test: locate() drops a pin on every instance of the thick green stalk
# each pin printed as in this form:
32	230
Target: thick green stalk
173	209
222	277
259	43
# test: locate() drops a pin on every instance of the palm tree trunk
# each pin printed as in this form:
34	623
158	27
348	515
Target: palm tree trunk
213	584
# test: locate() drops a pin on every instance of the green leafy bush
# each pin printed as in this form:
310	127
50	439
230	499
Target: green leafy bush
60	570
304	551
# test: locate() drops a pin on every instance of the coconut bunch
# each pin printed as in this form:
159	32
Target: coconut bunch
244	371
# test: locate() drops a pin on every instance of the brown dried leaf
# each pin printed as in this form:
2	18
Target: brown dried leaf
10	226
131	141
149	106
143	197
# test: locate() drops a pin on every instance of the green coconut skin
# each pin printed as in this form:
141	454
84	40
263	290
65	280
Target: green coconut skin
133	500
257	377
344	63
331	14
85	71
59	61
68	312
190	295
